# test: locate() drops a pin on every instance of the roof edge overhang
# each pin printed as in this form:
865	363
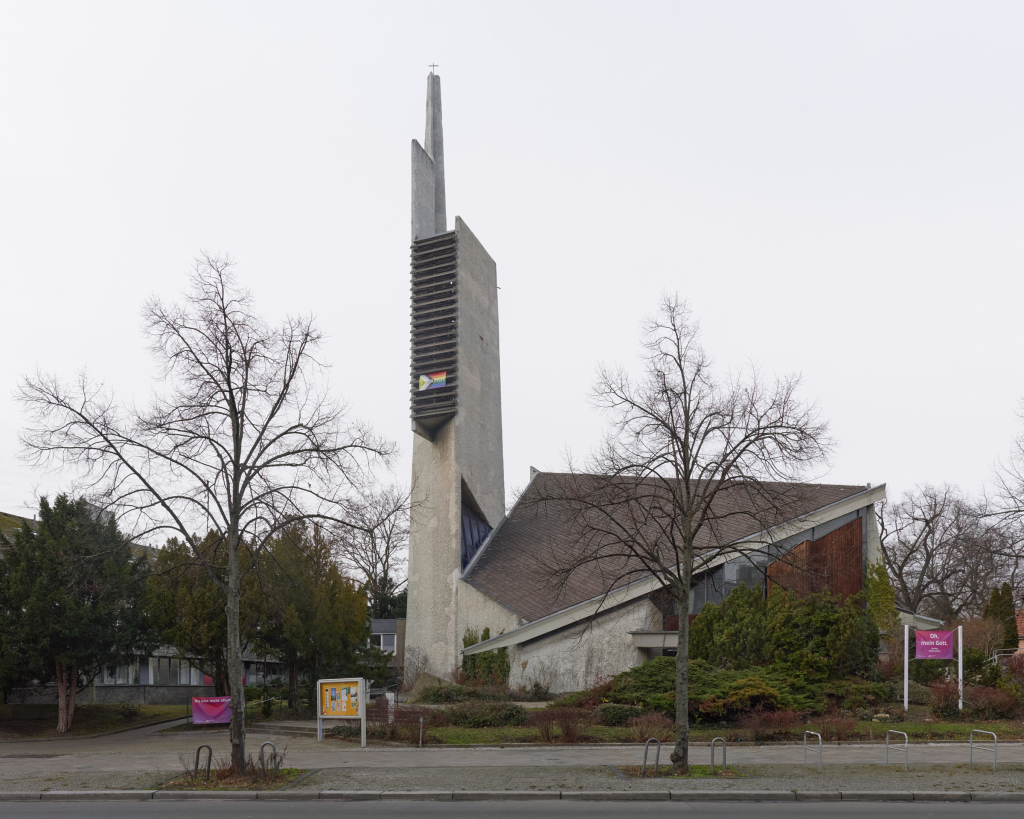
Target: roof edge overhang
640	588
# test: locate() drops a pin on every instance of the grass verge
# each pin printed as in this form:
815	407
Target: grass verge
222	781
41	721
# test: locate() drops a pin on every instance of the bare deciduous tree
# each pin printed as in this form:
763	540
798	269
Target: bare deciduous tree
240	439
688	453
376	550
945	553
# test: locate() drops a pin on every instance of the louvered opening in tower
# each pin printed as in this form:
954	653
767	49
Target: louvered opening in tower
434	375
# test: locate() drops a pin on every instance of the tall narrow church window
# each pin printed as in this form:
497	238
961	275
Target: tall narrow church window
474	532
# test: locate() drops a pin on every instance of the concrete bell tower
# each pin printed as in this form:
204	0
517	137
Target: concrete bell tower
458	483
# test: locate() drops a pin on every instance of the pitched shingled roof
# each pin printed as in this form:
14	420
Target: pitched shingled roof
513	567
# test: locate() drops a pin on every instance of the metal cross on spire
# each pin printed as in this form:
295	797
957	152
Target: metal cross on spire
432	67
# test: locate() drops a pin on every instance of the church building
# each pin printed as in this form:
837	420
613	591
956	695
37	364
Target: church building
471	566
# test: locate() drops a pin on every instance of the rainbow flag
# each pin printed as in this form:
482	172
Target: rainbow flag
432	381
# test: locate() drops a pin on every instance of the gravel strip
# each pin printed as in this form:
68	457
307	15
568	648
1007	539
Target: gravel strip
775	778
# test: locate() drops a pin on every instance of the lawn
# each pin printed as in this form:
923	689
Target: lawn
860	731
40	721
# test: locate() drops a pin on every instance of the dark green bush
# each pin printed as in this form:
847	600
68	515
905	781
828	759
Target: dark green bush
444	694
615	714
483	714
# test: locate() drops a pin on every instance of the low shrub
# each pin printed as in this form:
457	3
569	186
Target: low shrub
766	726
615	715
985	702
129	710
534	692
945	699
648	726
919	694
445	694
402	725
483	714
837	727
571	722
544	721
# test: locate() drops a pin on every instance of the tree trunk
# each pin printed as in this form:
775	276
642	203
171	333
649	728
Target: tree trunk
681	754
67	695
234	658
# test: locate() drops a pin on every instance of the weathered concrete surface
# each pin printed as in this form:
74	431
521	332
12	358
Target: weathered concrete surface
464	462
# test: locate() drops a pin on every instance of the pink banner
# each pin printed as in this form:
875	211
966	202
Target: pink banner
211	709
934	645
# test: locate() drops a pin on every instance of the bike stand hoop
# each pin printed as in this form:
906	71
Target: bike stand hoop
813	734
713	743
657	756
905	747
209	760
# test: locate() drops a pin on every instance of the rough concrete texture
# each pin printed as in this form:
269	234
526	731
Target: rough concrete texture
433	141
465	458
572	660
422	193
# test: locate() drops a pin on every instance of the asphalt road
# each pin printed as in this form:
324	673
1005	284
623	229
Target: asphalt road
504	810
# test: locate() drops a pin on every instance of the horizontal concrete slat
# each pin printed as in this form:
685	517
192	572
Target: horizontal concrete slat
19	796
818	796
1002	796
291	796
419	796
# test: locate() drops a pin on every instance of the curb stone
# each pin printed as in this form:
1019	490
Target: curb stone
513	796
616	796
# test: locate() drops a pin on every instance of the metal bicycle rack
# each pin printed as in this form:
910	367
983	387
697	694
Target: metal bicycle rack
263	765
209	760
905	747
716	740
813	734
992	750
657	756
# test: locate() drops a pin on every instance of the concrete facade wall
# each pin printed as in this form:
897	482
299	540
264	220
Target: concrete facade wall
576	658
465	455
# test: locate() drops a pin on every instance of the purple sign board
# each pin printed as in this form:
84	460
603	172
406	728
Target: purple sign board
210	709
934	645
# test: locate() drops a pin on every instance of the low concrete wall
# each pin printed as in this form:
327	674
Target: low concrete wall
139	694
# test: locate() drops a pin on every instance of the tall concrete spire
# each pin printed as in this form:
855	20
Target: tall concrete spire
429	210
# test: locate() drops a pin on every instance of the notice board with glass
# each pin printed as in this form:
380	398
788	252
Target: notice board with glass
341	699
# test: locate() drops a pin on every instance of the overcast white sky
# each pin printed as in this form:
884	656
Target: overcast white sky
835	187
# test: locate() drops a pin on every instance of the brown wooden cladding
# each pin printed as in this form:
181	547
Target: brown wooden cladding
833	562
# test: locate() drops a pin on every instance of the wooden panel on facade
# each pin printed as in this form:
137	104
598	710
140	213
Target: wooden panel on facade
833	562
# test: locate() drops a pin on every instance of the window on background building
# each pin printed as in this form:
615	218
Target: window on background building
163	670
172	677
383	641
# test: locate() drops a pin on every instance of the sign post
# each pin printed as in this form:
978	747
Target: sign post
932	645
906	667
341	699
960	662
